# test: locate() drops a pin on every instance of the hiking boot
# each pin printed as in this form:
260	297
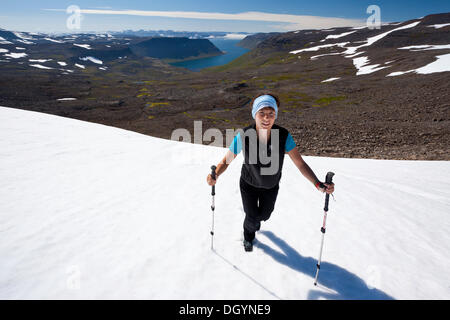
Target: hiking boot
248	245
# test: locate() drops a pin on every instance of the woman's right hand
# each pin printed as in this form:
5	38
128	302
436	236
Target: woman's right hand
210	180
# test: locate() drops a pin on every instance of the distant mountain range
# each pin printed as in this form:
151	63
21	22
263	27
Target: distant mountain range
397	46
101	47
175	48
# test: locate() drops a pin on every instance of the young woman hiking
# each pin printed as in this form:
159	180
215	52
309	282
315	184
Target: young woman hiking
259	181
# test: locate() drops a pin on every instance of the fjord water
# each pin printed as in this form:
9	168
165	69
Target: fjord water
232	51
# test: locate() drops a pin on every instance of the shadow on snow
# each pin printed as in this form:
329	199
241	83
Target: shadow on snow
344	284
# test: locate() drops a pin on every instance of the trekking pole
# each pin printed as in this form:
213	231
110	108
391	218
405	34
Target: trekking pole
213	192
328	179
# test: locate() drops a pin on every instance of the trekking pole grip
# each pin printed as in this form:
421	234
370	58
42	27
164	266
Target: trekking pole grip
213	174
329	180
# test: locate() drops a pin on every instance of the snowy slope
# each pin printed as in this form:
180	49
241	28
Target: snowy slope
90	211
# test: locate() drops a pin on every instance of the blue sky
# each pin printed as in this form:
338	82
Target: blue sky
207	15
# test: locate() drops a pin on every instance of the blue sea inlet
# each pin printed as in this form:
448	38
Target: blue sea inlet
232	51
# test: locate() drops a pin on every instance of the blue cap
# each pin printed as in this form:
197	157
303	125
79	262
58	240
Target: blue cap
262	102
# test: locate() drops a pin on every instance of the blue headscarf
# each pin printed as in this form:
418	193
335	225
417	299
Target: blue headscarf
264	101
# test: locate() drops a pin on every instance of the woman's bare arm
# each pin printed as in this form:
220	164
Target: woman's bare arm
221	167
302	166
307	171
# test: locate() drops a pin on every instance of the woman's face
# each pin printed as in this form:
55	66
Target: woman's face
265	118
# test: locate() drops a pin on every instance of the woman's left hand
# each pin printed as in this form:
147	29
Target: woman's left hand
329	188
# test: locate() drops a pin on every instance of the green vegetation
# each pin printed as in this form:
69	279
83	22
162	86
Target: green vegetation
155	104
282	77
272	81
198	86
293	99
327	100
279	58
150	81
187	114
143	94
216	118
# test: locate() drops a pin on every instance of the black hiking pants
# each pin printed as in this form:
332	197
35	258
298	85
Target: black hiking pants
258	206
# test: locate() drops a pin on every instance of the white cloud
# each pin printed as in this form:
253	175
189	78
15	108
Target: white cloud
235	36
291	22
